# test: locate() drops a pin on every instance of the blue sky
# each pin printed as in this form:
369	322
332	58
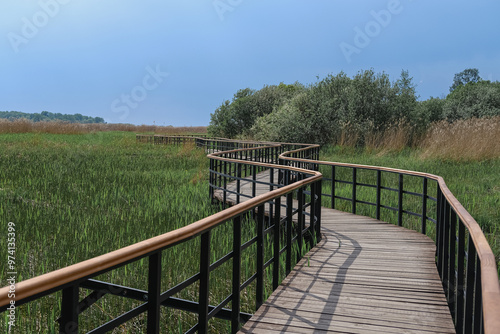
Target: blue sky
174	62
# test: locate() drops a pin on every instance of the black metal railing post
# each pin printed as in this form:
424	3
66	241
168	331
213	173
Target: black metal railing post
300	219
318	186
204	290
424	207
470	283
154	286
451	264
276	243
224	199
236	301
478	300
289	228
254	179
378	191
238	182
439	231
259	298
354	200
211	180
446	249
69	310
459	312
333	187
400	200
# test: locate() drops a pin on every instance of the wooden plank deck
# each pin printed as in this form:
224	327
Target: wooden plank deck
364	276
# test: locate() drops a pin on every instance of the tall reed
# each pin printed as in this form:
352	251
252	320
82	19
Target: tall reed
60	127
474	139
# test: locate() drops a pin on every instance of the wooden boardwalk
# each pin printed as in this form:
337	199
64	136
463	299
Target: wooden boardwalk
364	276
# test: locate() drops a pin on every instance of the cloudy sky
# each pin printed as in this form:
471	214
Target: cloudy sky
173	62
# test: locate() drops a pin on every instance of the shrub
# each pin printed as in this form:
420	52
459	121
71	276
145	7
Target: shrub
475	99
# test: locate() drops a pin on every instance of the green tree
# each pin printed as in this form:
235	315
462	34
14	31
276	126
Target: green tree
368	102
474	99
431	110
48	116
236	118
221	124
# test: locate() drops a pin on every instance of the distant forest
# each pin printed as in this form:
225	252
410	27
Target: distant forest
48	116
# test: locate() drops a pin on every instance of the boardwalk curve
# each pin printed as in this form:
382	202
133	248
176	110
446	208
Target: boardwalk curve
364	276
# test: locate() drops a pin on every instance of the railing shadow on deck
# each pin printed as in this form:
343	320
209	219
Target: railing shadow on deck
464	259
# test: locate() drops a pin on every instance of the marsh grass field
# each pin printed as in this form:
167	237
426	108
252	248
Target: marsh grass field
76	196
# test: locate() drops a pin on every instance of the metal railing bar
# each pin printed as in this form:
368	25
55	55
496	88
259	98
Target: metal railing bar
179	287
248	282
344	198
365	202
215	310
141	295
249	243
221	261
413	193
193	329
269	229
389	188
115	289
366	185
389	207
112	324
413	213
268	263
343	181
88	301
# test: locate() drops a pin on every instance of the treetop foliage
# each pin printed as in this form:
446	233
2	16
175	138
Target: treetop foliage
365	104
48	116
464	77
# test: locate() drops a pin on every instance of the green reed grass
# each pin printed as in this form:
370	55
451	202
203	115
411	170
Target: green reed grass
77	196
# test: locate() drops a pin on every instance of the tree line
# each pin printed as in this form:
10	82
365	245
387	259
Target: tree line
366	103
48	116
